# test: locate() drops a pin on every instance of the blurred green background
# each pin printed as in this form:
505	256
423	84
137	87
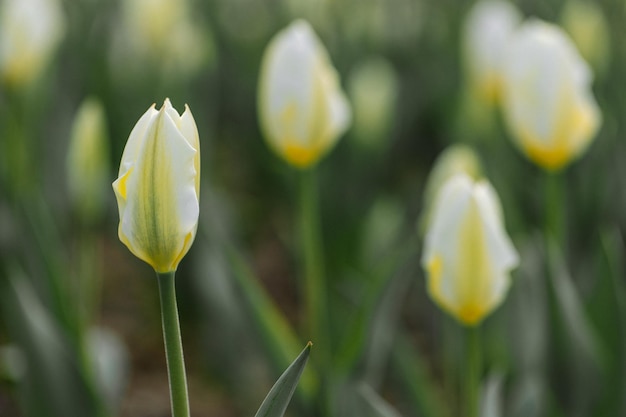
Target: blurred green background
81	334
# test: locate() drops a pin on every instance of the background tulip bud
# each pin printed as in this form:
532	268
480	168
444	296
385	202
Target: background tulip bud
487	29
467	253
373	90
454	160
158	187
30	31
585	22
88	161
162	34
548	104
302	108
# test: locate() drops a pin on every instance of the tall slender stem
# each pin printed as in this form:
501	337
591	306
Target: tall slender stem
472	372
314	279
554	214
173	345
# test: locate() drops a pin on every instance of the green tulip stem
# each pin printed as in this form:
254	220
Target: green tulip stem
314	280
472	371
173	345
554	213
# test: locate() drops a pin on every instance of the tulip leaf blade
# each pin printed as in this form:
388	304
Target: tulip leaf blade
277	400
276	333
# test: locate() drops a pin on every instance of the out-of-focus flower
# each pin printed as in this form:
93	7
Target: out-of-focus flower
584	21
302	108
30	32
548	103
467	254
373	91
487	30
454	160
88	161
163	34
158	187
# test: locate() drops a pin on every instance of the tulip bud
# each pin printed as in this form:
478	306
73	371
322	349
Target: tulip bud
160	34
88	161
158	187
373	90
487	29
302	108
585	22
548	103
467	253
30	31
454	160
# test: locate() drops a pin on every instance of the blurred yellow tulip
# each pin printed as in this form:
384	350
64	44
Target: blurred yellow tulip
302	108
548	103
486	32
467	254
158	187
30	32
88	161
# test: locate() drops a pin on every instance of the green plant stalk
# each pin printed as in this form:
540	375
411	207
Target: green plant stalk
473	360
314	279
554	214
173	345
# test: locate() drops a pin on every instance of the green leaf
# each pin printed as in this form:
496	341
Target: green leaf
54	383
491	401
374	309
276	402
410	367
572	309
376	405
276	332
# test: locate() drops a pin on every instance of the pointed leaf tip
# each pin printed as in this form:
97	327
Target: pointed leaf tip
277	400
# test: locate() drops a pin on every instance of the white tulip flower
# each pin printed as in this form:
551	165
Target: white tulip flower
302	108
158	187
467	254
548	103
30	32
487	29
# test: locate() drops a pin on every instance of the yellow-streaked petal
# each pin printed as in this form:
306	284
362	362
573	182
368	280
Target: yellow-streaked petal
548	104
467	254
158	194
302	109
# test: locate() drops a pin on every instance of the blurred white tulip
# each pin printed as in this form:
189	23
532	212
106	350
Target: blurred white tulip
486	32
373	90
30	32
302	109
88	161
548	103
467	254
454	160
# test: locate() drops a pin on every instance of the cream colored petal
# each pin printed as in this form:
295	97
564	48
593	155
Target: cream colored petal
136	140
189	130
501	250
171	112
162	206
449	214
339	111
